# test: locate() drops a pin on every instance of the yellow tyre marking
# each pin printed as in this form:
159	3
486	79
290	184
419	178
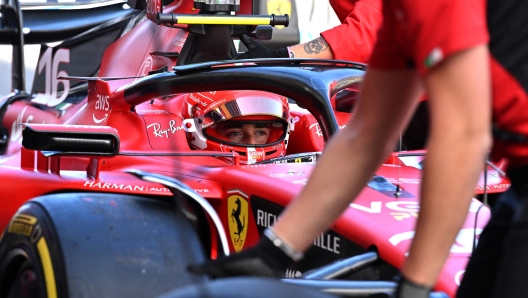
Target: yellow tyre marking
49	275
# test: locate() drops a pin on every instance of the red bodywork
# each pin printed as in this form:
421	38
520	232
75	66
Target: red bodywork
374	219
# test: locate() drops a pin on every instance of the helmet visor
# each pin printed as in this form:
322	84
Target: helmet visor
243	106
247	133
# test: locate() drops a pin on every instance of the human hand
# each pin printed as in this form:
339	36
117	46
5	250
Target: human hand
264	259
408	289
257	50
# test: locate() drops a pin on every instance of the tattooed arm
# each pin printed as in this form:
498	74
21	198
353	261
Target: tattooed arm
317	48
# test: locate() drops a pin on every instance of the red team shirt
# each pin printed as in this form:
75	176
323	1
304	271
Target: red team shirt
420	34
354	39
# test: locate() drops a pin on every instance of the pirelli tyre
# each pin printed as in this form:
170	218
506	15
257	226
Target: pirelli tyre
247	287
97	245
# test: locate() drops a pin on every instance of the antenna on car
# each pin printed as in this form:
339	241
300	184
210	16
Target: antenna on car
398	191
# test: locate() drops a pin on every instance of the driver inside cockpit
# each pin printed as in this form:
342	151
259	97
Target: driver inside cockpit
255	124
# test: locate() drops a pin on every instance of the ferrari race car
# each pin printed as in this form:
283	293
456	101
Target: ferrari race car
121	171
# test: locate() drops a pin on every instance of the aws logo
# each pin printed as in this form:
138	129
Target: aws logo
237	208
279	7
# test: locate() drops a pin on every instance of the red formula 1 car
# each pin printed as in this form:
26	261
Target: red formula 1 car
114	184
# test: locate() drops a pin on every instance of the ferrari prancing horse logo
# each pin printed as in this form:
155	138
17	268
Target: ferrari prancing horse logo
237	208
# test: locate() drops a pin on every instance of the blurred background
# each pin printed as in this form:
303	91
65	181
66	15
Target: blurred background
308	19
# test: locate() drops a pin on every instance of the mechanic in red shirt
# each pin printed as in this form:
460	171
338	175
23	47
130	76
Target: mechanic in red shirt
499	265
439	47
352	40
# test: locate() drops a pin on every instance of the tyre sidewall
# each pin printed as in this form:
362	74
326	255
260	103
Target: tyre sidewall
30	236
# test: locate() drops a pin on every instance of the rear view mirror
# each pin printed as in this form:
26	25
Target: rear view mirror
346	99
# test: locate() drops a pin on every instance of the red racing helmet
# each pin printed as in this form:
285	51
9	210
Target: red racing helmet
255	124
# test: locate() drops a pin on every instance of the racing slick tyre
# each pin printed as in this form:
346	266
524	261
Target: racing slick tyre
97	245
245	287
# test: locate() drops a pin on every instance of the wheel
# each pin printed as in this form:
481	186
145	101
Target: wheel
97	245
245	287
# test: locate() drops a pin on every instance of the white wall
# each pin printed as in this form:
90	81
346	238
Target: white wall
314	16
31	53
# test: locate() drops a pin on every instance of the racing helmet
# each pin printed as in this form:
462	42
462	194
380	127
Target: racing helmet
255	124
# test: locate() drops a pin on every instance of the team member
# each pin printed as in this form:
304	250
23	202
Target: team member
353	40
433	46
499	265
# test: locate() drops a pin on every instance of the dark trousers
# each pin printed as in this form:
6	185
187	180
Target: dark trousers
499	265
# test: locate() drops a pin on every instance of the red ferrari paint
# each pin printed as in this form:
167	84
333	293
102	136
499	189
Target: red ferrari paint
149	132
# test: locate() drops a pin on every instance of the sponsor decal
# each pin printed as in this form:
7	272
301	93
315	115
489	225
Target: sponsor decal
101	104
318	130
403	215
301	181
401	206
197	100
408	207
146	66
97	120
214	105
153	6
265	219
116	186
16	127
108	185
463	242
328	247
237	208
179	40
49	63
289	173
154	112
404	180
255	154
458	276
164	133
290	273
494	186
326	241
22	224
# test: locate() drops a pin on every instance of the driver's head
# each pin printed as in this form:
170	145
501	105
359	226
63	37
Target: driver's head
242	132
254	124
